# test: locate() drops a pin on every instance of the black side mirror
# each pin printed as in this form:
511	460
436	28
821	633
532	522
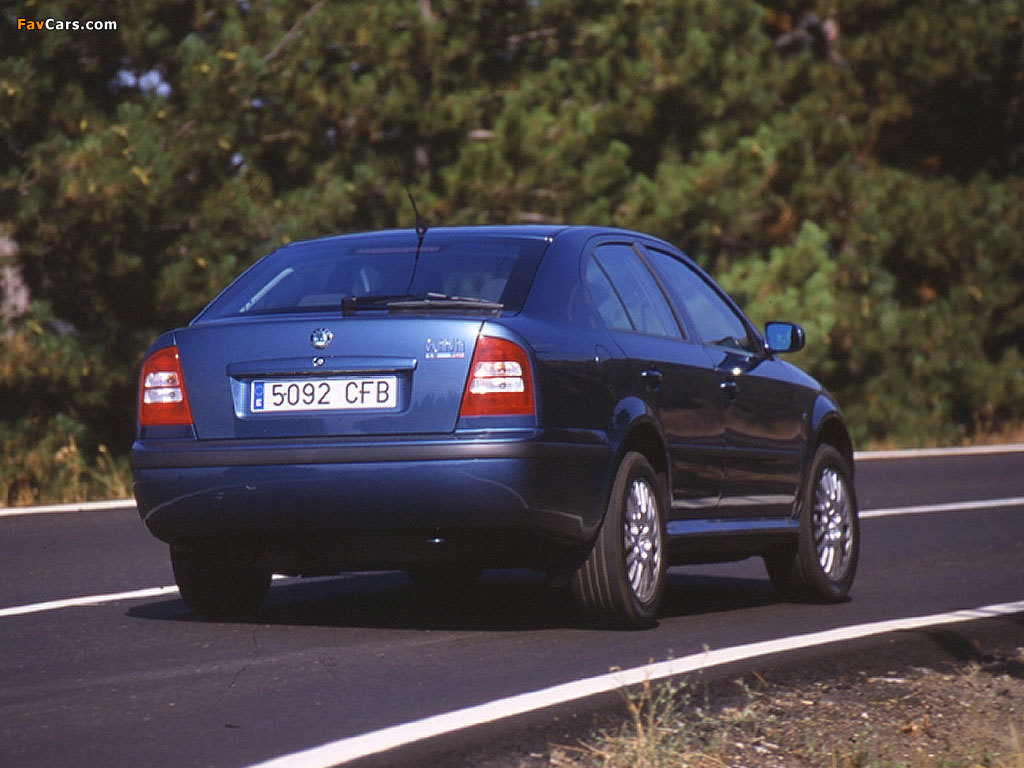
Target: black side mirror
783	337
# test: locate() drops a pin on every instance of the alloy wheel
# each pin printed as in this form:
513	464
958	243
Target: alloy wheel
642	540
833	523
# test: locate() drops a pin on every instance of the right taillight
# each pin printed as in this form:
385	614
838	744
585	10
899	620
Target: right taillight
499	382
162	398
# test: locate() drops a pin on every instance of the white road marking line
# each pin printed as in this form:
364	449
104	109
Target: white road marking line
81	506
935	453
357	747
953	506
110	597
71	602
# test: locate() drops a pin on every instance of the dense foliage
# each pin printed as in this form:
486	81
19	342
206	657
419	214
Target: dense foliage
856	166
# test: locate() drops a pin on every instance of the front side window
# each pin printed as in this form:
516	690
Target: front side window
714	320
615	271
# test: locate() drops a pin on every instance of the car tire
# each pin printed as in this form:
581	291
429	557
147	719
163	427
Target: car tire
822	564
623	578
217	583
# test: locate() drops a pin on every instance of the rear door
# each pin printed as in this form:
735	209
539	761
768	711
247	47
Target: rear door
671	374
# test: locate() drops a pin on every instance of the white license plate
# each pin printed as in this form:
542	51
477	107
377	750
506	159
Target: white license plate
335	394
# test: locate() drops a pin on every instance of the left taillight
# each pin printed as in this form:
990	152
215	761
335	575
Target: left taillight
162	397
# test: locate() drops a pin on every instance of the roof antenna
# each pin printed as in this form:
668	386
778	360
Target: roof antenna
421	230
421	225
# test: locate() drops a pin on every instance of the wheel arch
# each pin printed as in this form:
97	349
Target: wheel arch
830	429
635	429
643	435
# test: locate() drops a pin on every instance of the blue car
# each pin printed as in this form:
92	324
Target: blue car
582	401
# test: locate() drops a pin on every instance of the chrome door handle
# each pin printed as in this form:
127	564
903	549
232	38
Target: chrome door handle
729	388
652	376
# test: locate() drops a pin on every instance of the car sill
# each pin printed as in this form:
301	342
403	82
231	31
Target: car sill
726	527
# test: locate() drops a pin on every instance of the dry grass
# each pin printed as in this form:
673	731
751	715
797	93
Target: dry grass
968	716
57	470
651	737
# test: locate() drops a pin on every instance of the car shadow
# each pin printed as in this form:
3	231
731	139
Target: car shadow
500	601
699	594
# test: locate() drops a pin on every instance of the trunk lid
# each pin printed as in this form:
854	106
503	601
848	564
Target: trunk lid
326	375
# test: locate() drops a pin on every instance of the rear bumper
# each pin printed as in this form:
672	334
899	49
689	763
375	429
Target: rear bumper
389	496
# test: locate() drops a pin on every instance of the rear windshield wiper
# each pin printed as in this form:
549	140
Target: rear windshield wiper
417	302
444	302
352	304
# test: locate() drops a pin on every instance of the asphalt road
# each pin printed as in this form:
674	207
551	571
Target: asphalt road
141	682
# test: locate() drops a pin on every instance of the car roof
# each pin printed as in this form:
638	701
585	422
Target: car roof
529	231
532	231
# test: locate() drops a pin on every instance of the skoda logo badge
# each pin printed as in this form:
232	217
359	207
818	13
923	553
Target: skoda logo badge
321	338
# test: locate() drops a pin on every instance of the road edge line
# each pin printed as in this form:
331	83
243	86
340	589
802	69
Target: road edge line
114	597
950	506
86	600
935	453
66	509
376	742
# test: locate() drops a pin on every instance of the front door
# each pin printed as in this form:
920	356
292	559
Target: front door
760	414
763	433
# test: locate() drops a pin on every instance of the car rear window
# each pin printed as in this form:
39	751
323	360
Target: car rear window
316	275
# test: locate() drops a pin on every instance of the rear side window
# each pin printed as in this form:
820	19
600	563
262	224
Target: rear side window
608	303
316	275
715	321
627	295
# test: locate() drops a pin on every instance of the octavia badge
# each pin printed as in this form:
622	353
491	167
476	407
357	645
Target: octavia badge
321	338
